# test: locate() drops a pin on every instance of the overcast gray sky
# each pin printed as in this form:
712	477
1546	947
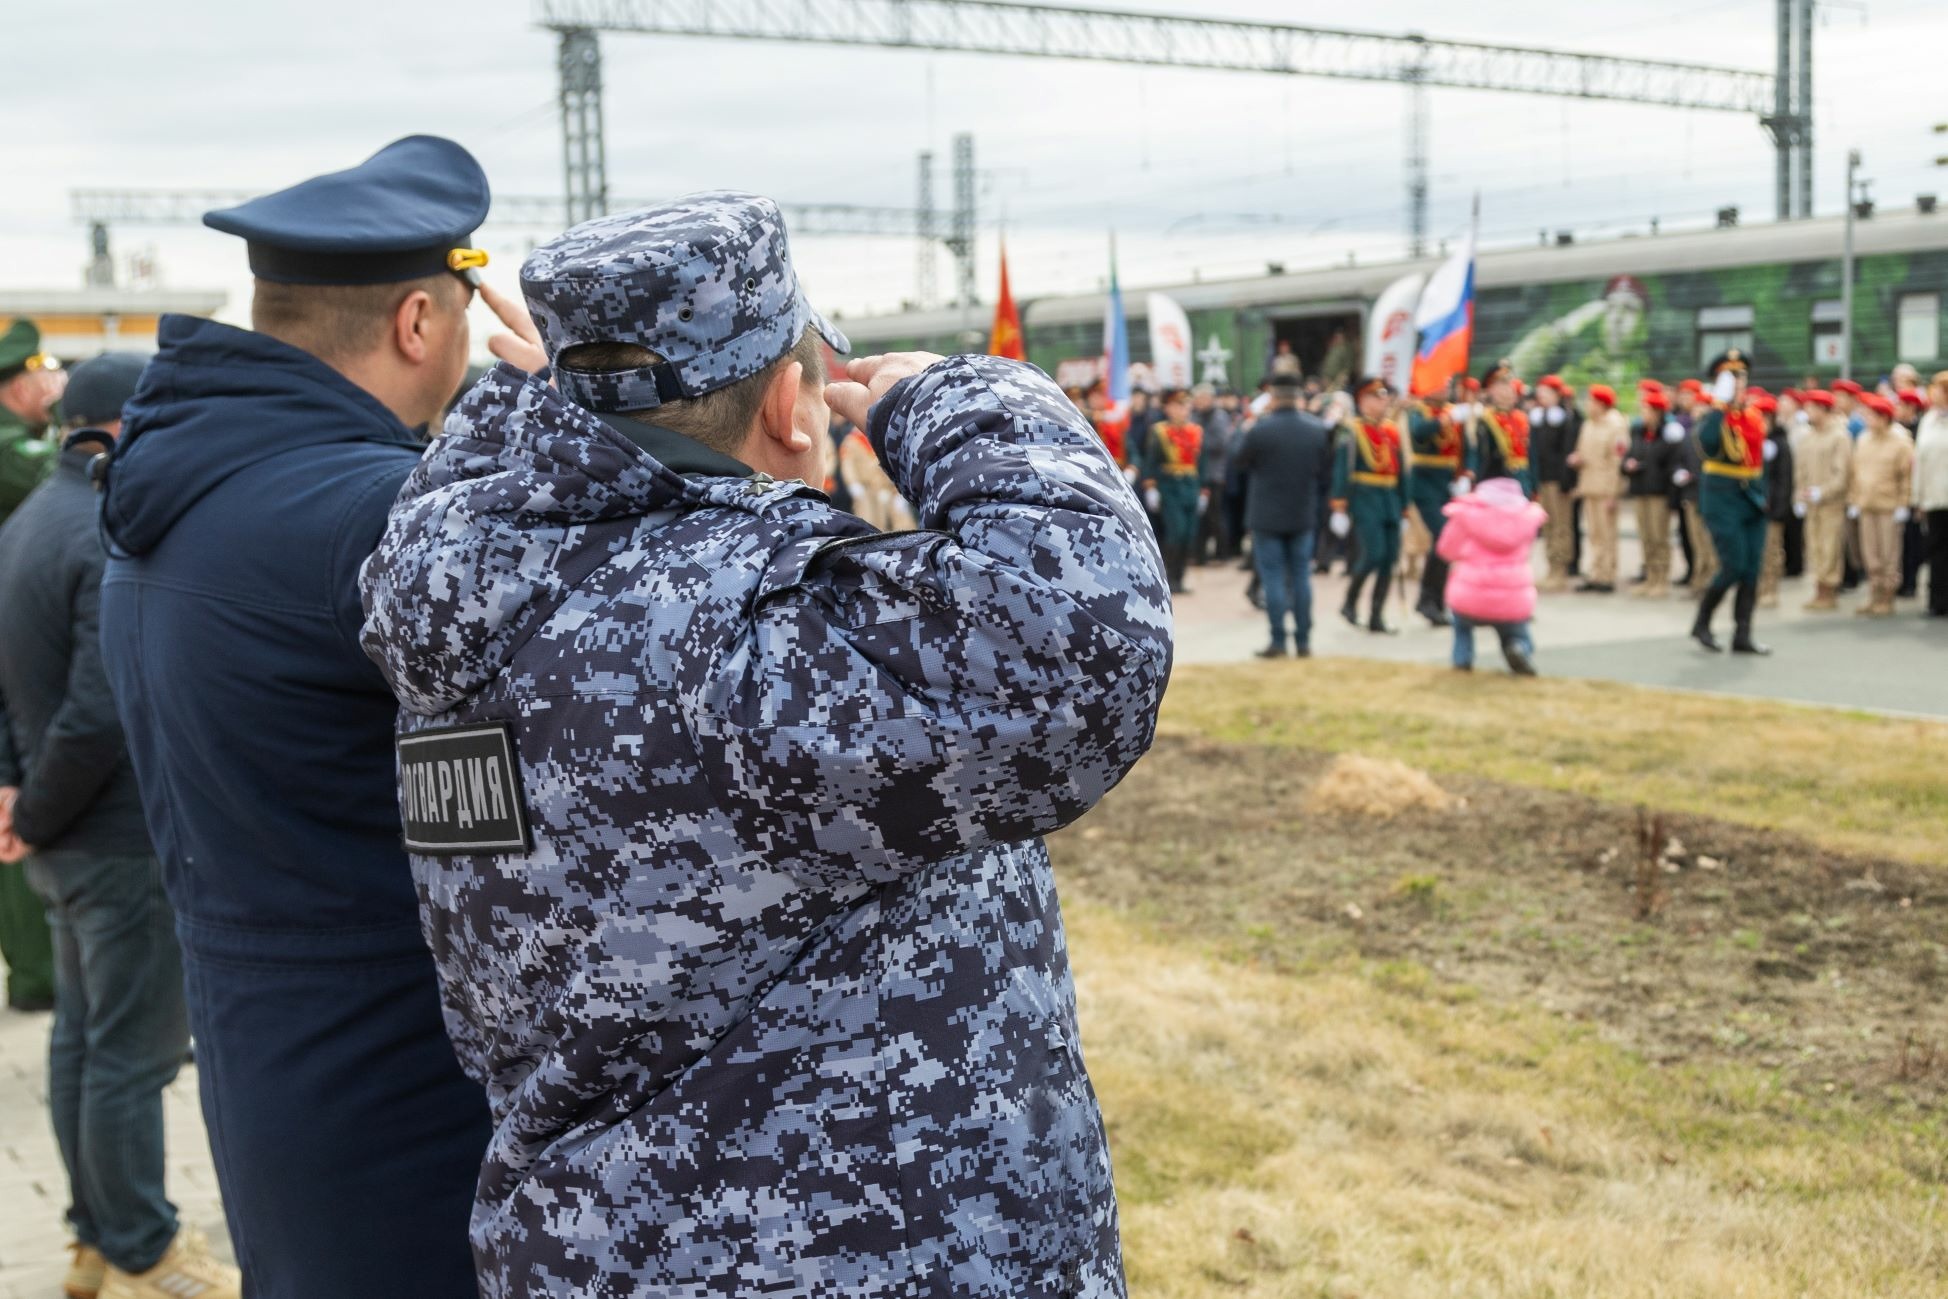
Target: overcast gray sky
1187	167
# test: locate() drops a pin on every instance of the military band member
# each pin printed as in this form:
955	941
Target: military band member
1730	438
1647	467
1366	489
1498	433
1435	466
1172	453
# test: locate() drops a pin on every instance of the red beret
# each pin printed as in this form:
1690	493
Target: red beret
1849	387
1691	385
1655	398
1764	401
1909	397
1815	397
1551	381
1753	390
1604	393
1878	404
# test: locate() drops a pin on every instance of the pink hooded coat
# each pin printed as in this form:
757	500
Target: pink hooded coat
1486	541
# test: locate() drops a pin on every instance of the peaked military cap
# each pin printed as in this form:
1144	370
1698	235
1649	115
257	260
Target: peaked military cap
1373	384
1497	370
1731	359
20	349
705	282
406	212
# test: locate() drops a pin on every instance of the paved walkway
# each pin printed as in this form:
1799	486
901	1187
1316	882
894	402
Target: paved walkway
33	1188
1897	665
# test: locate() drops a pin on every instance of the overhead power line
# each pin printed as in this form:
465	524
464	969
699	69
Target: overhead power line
1179	41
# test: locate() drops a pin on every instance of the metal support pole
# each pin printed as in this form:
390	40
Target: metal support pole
585	170
923	279
1415	75
1782	111
1803	108
963	238
1846	273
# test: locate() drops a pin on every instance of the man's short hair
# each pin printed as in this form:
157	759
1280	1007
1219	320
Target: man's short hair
340	322
721	419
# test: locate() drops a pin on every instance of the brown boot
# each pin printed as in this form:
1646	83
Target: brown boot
1823	600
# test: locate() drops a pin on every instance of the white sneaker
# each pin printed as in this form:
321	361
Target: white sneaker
185	1271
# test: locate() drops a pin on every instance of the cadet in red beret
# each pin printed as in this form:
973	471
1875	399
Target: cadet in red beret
1601	445
1820	472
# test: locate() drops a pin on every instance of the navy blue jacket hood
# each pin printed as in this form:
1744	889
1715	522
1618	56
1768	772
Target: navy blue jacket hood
202	366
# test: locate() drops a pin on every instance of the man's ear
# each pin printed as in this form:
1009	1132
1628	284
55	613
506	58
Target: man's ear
780	403
411	324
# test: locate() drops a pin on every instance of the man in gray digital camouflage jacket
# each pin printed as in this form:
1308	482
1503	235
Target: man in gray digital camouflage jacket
725	808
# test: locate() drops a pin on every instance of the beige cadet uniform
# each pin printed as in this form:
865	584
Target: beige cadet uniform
1821	469
1882	482
1599	482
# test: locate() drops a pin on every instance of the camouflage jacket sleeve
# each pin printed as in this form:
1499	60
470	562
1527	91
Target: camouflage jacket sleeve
905	698
24	461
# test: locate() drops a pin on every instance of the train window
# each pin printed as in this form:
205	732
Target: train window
1723	328
1829	332
1919	333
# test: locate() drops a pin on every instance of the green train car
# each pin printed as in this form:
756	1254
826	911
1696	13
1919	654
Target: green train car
1602	312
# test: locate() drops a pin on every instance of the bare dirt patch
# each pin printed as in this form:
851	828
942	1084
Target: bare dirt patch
1713	942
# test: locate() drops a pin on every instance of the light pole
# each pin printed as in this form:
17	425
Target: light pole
1846	273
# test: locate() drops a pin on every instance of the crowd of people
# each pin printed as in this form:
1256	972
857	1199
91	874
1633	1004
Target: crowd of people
586	858
1851	484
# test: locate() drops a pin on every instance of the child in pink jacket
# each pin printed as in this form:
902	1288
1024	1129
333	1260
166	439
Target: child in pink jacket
1486	543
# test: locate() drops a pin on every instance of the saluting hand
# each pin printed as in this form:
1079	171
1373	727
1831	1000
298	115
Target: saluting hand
11	848
521	346
868	378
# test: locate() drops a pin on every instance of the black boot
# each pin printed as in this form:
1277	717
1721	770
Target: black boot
1173	567
1433	589
1742	606
1701	629
1382	582
1350	611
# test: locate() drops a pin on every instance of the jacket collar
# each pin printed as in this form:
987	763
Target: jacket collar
677	453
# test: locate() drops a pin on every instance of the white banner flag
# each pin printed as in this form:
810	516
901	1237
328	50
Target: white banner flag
1170	343
1390	334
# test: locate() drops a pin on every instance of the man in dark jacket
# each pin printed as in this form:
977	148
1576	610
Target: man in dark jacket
726	809
252	480
70	804
1778	497
1286	461
30	384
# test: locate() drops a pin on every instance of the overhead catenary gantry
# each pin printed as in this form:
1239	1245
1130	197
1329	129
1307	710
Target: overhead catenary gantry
1185	41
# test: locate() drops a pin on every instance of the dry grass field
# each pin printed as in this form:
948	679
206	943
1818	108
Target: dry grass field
1491	1043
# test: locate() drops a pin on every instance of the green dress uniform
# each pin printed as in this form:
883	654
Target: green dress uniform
1434	462
1731	497
1499	447
1172	455
1367	482
25	458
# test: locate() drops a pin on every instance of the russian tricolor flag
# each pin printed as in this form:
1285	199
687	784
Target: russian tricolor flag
1446	321
1116	355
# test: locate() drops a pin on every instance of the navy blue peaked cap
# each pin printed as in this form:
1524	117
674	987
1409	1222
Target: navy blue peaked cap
396	216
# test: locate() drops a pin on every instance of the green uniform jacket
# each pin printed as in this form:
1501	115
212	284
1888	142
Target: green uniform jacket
24	461
1732	488
1428	482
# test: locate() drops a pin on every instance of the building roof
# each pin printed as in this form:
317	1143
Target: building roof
1785	241
117	302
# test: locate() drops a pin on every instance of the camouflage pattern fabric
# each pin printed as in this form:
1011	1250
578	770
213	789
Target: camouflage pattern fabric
706	282
779	1001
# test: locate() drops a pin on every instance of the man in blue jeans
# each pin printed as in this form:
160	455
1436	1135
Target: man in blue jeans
68	797
1286	461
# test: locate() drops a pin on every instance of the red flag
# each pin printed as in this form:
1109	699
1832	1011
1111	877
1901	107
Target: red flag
1006	340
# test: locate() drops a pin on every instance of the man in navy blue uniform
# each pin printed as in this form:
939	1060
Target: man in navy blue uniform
252	479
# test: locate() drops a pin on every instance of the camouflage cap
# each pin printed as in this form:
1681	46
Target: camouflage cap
705	282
